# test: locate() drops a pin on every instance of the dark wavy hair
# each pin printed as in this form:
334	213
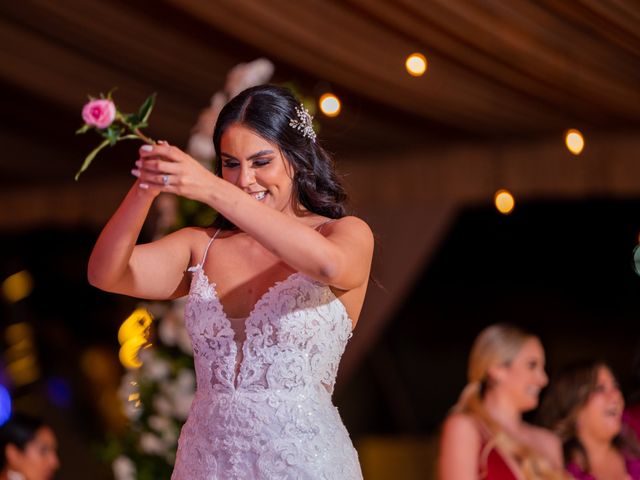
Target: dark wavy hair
267	110
567	394
19	430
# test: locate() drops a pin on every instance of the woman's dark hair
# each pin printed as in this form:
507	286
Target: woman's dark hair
567	394
267	110
19	430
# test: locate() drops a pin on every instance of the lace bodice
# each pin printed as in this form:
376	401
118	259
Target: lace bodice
267	413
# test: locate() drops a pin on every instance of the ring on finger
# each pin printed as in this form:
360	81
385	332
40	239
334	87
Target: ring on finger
165	180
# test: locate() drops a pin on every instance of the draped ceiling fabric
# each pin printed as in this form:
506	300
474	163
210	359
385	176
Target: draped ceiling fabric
496	67
505	79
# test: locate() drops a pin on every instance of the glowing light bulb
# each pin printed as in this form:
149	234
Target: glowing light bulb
416	64
330	105
574	141
504	201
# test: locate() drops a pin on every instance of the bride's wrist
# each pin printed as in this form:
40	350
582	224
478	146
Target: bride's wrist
144	191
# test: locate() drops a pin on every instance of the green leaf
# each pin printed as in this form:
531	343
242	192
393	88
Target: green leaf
132	120
90	157
112	133
130	137
83	129
110	92
146	108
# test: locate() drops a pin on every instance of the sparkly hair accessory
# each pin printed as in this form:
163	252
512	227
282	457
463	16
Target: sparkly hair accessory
303	123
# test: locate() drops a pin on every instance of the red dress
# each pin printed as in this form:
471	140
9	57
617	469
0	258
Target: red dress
492	464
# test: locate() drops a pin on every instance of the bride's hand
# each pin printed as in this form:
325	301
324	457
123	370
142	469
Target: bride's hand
165	168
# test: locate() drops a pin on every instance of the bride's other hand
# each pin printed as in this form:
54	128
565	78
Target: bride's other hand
165	168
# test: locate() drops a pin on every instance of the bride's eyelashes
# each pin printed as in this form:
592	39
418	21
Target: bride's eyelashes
257	163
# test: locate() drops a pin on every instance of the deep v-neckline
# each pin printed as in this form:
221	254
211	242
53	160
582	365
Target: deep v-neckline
238	365
213	287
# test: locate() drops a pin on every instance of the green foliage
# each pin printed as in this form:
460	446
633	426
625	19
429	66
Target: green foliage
192	213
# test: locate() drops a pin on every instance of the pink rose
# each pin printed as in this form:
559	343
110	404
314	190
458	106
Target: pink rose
99	113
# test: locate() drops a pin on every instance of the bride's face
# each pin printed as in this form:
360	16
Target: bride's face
257	167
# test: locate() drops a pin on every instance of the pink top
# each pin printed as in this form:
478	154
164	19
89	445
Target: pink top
631	418
632	465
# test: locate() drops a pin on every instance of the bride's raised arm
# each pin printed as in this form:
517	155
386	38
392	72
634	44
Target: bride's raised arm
152	271
340	259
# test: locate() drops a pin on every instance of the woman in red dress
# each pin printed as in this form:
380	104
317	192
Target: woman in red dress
485	436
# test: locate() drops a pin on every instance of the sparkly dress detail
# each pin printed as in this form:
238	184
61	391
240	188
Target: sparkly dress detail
263	406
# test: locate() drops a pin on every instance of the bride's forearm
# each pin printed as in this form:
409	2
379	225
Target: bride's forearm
110	257
298	245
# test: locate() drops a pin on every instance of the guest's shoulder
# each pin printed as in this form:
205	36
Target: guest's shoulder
547	443
461	429
461	424
544	435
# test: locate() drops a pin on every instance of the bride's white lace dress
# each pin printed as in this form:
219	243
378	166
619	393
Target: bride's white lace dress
266	412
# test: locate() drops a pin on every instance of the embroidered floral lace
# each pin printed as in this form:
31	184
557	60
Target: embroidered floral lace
273	419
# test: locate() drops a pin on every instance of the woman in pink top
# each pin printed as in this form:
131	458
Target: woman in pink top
584	406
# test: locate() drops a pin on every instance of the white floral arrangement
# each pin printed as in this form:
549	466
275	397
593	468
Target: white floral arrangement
156	398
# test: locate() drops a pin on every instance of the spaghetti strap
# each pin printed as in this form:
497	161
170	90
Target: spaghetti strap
204	257
318	228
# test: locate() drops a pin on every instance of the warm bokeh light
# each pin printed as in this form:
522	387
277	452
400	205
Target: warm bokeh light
17	286
24	370
128	354
18	332
574	140
504	201
136	325
416	64
330	105
20	354
133	335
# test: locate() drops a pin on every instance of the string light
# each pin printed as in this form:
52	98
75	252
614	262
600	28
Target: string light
416	64
574	140
504	201
330	105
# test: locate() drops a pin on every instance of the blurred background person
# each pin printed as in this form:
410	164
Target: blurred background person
485	436
584	407
29	449
631	414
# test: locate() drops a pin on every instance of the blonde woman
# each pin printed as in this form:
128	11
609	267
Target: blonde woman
485	436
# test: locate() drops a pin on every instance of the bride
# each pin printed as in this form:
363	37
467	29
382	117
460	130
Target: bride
274	288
